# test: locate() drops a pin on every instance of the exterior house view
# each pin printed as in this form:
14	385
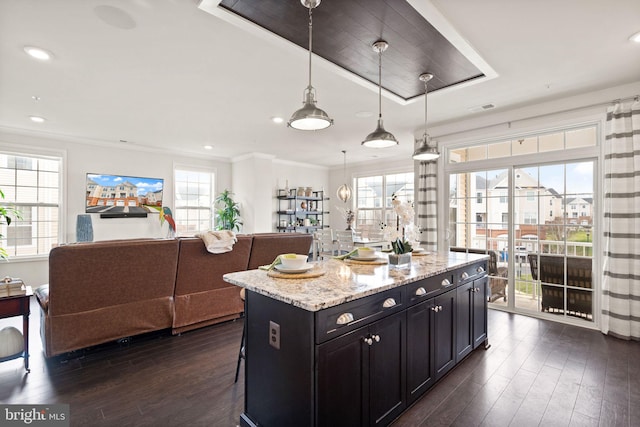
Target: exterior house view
443	231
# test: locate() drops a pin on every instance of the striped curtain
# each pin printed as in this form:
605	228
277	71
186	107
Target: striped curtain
427	209
621	281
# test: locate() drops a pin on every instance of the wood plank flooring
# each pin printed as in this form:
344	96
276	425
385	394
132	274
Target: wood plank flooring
535	373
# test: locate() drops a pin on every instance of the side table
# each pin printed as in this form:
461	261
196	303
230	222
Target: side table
19	305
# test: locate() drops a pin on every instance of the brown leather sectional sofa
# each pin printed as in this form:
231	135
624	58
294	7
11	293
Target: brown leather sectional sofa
104	291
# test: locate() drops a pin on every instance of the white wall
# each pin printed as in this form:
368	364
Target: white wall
252	191
118	159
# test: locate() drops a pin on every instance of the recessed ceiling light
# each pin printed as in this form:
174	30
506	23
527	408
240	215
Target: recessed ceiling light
35	98
277	120
635	37
37	119
208	147
38	53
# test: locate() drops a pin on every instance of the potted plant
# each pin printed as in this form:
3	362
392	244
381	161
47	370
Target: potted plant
401	254
228	212
5	217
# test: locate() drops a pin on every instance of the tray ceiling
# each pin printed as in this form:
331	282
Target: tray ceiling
344	32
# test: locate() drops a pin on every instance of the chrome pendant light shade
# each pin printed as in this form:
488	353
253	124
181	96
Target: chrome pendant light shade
380	138
344	191
310	117
425	152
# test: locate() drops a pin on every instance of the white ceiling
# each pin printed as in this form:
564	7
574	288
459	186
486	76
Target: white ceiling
167	74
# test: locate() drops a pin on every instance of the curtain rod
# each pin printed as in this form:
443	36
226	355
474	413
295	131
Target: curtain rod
569	110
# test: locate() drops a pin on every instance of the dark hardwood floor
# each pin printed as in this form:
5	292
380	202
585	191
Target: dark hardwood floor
535	373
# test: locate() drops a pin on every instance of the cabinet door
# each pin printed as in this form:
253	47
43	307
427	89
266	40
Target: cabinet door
419	350
444	323
387	369
480	311
465	300
341	380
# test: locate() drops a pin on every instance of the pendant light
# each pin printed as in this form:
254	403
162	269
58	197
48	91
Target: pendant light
344	191
425	152
380	138
310	117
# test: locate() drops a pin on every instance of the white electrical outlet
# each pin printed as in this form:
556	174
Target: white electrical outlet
274	335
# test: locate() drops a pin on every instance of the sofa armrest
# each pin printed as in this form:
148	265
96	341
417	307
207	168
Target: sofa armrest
42	296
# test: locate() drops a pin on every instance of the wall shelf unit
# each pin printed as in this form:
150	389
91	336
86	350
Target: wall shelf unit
300	211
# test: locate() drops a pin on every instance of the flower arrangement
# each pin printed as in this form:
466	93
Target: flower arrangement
348	215
405	228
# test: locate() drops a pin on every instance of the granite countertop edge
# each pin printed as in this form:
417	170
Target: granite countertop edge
342	282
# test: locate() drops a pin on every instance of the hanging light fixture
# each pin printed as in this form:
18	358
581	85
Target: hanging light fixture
425	151
310	117
380	138
344	191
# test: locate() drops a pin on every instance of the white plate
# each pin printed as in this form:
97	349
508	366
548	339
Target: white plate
364	258
418	250
281	268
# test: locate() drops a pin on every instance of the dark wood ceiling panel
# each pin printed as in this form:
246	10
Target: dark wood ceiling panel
345	30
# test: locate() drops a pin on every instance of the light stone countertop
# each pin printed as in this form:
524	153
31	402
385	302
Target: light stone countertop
343	281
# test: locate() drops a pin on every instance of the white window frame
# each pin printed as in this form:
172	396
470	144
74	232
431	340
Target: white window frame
38	153
212	195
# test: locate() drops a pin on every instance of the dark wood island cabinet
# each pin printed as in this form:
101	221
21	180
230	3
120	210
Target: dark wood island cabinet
359	344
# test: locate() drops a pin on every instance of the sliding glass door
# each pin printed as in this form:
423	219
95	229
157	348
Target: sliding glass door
536	224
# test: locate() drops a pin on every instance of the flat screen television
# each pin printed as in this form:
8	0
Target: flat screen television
121	196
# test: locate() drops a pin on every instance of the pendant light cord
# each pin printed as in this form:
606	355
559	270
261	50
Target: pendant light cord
380	84
310	42
426	134
344	167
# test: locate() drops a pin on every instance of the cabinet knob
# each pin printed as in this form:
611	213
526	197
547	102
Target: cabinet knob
367	340
480	269
389	302
344	318
435	308
476	289
376	338
445	283
464	275
420	291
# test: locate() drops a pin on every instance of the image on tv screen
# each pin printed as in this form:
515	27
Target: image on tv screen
117	195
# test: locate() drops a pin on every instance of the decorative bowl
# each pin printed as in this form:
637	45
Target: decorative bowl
293	261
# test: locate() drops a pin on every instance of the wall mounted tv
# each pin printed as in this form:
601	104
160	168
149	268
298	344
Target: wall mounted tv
121	196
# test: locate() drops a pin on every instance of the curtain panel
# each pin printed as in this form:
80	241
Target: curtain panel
427	208
621	278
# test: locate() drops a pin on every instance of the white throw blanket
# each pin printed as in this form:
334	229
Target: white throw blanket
218	242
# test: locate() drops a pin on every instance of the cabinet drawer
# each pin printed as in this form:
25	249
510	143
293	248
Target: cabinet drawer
471	272
338	320
429	287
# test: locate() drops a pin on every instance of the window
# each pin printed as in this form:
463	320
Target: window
373	197
193	201
561	182
31	184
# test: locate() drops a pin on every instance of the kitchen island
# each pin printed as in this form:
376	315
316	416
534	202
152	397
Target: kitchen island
360	342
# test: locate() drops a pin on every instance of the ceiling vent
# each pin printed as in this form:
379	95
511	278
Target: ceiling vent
482	108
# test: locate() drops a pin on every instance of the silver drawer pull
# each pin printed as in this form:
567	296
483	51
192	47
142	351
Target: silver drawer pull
389	302
344	318
480	269
420	291
464	275
446	283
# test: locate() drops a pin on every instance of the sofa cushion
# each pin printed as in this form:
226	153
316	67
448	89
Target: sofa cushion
91	276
